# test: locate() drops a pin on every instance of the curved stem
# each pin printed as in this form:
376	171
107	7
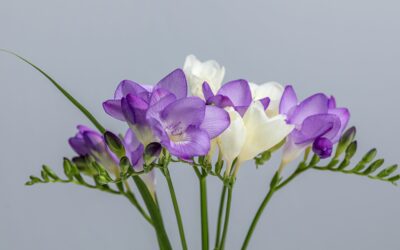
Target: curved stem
204	212
220	212
176	208
132	198
227	214
257	217
267	198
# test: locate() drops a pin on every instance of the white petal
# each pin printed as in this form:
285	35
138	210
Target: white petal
231	141
273	90
262	133
198	72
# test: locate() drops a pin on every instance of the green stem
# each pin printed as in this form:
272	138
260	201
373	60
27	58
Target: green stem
220	212
176	208
204	212
257	217
227	214
267	198
131	197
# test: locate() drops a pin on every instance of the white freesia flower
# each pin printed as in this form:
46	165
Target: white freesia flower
273	90
198	72
251	135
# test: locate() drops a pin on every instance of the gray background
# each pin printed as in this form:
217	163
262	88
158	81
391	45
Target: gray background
349	48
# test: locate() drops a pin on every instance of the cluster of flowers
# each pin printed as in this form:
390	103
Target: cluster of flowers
240	119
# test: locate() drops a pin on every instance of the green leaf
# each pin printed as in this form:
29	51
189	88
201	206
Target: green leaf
154	212
63	91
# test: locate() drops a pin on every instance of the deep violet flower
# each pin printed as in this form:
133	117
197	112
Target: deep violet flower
184	125
318	123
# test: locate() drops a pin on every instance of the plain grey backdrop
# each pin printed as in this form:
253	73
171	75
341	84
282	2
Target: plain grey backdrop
349	48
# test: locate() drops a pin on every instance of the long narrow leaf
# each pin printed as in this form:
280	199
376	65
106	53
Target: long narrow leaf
63	91
154	213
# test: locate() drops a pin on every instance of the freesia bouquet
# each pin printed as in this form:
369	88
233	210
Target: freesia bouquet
190	117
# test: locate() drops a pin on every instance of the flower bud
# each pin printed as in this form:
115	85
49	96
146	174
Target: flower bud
114	144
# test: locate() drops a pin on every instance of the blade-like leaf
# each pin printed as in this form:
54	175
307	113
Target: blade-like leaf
63	91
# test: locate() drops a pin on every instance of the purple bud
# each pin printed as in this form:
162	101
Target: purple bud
322	147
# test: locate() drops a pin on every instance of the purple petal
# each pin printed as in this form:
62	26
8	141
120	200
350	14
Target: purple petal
326	125
216	120
160	99
288	100
134	109
174	82
220	101
79	146
344	116
241	110
315	104
182	113
193	142
265	102
238	92
207	91
332	102
94	141
113	108
129	87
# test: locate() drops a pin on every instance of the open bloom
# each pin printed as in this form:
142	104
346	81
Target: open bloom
164	114
132	101
198	72
318	123
251	135
251	130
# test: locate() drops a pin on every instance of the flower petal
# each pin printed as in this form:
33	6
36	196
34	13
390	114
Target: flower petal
129	87
216	120
262	133
273	91
315	104
134	109
207	91
326	125
238	92
288	100
231	141
79	146
183	113
344	116
193	142
113	108
174	82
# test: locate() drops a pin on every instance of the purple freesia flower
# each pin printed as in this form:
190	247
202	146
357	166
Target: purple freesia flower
236	94
317	120
184	125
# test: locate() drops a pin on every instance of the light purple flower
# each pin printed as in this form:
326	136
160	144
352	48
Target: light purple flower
184	125
317	120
